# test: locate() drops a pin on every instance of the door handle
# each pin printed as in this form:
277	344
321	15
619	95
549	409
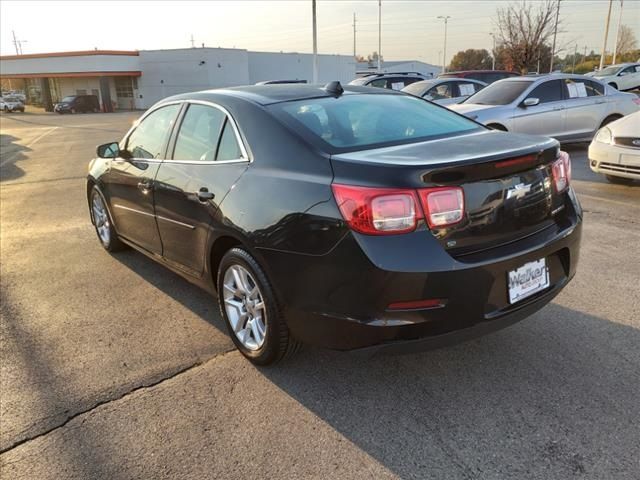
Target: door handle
145	185
204	195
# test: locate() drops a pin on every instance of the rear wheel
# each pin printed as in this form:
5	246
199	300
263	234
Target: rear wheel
619	180
251	311
103	224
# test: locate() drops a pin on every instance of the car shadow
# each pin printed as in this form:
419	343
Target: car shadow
11	153
555	395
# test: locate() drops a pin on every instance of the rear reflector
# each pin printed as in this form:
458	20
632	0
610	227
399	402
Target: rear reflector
377	211
417	304
561	170
443	206
516	161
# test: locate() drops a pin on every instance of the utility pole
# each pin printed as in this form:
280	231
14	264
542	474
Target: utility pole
315	42
615	48
555	33
193	45
575	54
15	42
493	52
379	35
444	50
354	35
606	34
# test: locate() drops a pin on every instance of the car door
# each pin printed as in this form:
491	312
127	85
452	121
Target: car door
129	181
629	78
546	118
585	108
208	156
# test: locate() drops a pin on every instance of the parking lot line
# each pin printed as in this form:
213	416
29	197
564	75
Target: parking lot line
28	145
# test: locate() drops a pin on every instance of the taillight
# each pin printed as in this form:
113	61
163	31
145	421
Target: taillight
377	211
561	170
443	206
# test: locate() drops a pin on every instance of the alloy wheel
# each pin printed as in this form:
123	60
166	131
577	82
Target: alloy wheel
245	307
101	219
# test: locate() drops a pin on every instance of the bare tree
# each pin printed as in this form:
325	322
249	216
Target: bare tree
524	30
626	40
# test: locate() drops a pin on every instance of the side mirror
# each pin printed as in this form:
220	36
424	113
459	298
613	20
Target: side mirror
108	150
531	102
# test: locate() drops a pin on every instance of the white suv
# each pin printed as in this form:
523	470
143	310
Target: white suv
11	104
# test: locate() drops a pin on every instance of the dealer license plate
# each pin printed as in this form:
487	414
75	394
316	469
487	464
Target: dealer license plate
530	278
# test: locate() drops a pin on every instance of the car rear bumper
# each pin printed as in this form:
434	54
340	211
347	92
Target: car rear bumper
615	160
340	300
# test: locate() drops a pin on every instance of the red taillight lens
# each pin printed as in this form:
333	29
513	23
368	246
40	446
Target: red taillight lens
443	206
561	170
377	211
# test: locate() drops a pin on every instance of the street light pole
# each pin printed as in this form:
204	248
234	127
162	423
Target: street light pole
354	35
493	52
444	50
615	48
555	33
315	42
379	35
575	53
606	34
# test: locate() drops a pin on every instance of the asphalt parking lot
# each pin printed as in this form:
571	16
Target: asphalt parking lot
112	367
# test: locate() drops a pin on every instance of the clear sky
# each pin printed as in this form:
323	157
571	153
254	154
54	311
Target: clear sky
410	29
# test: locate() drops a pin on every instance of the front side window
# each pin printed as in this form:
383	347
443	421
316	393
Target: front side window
149	137
548	92
357	122
199	133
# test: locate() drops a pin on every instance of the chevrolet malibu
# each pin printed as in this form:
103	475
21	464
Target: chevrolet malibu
352	218
570	108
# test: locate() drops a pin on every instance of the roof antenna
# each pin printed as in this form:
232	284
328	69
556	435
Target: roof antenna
334	88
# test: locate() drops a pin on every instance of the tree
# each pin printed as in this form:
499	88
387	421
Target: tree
626	40
524	34
373	58
471	59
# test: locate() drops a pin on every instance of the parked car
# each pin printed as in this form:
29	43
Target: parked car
78	104
567	107
615	150
11	104
392	81
348	218
486	76
624	76
444	91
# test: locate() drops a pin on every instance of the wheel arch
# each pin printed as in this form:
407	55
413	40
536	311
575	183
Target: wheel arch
497	126
610	118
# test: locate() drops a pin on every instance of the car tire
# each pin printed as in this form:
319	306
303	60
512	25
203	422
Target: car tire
619	180
260	333
103	223
6	109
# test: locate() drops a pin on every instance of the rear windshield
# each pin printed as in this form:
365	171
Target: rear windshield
499	93
417	88
362	121
359	81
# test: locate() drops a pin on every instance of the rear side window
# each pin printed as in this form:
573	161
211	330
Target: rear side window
149	137
594	89
199	133
548	92
229	148
357	122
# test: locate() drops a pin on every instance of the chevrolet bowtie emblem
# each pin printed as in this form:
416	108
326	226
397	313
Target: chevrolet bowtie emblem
518	191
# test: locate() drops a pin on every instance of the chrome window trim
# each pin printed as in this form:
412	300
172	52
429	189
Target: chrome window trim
245	155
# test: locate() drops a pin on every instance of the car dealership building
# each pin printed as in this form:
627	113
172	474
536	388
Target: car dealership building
138	79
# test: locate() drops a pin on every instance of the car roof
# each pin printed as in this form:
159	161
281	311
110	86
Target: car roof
269	94
479	71
439	80
545	76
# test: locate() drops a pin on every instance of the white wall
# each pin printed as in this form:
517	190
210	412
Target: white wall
299	66
169	72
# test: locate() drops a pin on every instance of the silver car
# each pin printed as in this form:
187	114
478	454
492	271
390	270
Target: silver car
570	108
445	91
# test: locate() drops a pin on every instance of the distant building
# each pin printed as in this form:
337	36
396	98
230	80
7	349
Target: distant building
399	66
138	79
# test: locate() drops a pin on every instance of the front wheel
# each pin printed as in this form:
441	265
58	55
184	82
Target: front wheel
619	180
251	311
103	224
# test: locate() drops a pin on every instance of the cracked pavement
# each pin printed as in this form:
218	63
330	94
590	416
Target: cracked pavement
112	367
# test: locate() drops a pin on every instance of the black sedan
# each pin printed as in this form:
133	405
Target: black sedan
353	218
